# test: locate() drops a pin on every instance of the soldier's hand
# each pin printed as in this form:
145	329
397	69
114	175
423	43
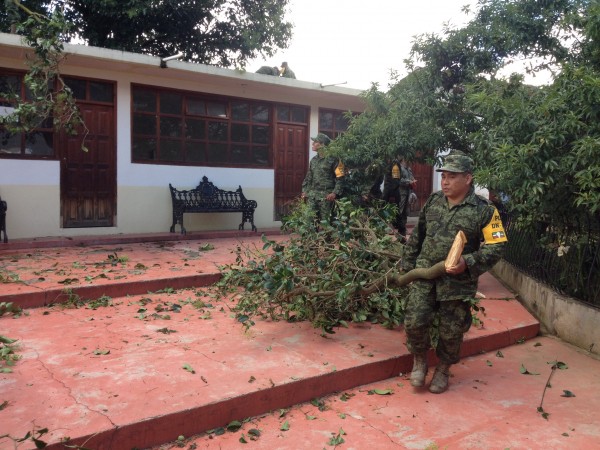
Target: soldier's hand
458	268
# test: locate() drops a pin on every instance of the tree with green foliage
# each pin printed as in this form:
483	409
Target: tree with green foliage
218	32
539	145
49	98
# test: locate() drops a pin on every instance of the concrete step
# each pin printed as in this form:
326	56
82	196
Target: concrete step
141	371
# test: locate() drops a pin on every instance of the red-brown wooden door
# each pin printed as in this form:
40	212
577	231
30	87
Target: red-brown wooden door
423	173
291	164
88	179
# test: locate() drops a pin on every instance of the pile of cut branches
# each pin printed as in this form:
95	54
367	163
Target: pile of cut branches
326	273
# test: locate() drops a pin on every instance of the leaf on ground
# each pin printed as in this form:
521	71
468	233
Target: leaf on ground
537	344
285	426
381	391
101	352
544	414
189	368
165	330
488	362
234	425
309	417
254	434
567	393
524	371
346	396
559	365
499	354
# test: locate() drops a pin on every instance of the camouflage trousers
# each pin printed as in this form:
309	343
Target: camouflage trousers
421	309
323	208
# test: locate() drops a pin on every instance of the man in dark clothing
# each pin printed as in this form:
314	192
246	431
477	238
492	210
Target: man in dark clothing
266	70
286	72
397	185
324	181
456	207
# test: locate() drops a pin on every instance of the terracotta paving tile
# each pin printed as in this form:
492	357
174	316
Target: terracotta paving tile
115	377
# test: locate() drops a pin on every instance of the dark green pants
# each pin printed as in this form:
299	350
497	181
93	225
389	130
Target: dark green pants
454	320
323	208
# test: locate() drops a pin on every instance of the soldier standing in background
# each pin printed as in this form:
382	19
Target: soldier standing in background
456	207
397	185
267	70
286	72
324	181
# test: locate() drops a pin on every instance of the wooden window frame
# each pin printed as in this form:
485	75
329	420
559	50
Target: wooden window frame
335	130
210	141
47	129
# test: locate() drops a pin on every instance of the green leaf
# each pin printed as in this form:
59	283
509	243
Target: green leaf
101	352
381	391
309	417
559	365
489	363
524	371
567	393
285	426
189	368
234	425
254	432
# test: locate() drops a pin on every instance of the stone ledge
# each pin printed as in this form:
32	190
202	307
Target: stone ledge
559	315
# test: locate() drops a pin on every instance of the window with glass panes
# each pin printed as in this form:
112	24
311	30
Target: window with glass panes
188	128
38	143
332	122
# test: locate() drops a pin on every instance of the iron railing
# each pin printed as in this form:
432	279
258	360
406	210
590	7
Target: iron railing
569	263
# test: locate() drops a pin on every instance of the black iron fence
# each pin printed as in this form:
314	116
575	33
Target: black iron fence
569	262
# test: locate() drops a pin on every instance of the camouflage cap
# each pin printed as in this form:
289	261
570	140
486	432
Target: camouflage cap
322	138
457	162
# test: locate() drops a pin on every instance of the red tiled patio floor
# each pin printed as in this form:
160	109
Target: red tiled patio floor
114	377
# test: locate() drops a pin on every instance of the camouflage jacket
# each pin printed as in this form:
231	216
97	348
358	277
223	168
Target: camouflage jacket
325	175
434	234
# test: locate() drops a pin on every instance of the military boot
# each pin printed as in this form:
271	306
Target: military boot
439	382
419	371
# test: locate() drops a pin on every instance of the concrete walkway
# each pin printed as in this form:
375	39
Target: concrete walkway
157	355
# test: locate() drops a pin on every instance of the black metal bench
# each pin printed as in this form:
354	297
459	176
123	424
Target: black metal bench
207	198
3	208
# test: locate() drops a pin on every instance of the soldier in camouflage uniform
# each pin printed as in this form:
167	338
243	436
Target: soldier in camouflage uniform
456	207
324	181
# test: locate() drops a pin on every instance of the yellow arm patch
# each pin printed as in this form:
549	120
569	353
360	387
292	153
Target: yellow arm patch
340	171
493	232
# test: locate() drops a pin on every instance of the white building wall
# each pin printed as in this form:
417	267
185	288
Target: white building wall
32	188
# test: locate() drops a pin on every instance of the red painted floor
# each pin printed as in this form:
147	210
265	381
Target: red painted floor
139	371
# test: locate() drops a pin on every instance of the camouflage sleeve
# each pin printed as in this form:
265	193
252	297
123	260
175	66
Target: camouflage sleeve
406	178
494	241
307	180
